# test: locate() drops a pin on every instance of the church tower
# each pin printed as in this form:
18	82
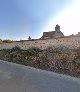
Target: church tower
57	28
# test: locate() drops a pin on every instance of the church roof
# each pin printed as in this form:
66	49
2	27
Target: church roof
49	34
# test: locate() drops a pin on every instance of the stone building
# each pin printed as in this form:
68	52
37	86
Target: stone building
53	34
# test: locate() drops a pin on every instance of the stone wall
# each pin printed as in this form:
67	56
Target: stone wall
68	41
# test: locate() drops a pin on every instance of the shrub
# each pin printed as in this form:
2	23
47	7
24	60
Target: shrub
16	48
0	40
7	41
33	50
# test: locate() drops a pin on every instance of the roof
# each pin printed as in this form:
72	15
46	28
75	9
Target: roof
49	34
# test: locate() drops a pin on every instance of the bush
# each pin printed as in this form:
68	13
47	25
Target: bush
33	50
0	40
16	48
7	41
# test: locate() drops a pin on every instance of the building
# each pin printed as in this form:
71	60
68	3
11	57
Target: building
53	34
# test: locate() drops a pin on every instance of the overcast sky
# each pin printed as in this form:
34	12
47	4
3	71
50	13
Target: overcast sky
22	18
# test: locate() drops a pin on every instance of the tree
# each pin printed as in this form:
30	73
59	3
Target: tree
29	38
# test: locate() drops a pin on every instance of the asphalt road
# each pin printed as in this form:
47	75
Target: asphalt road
19	78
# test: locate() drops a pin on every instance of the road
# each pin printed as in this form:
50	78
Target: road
20	78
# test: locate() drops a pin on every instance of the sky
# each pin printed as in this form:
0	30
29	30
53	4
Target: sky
20	19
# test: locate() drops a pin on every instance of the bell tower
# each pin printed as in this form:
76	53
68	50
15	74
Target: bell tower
57	28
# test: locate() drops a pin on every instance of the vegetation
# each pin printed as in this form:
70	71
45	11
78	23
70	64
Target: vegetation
7	41
0	40
58	59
